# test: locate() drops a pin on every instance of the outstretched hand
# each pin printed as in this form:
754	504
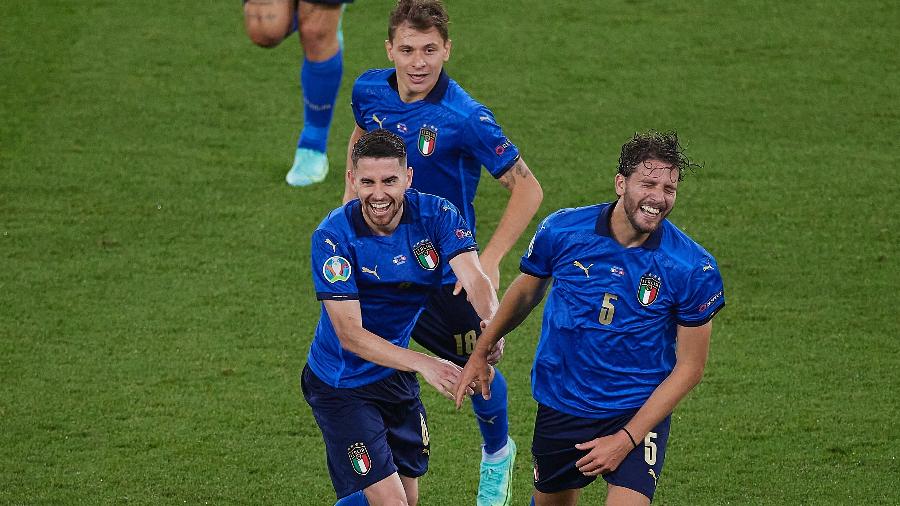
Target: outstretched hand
443	375
477	372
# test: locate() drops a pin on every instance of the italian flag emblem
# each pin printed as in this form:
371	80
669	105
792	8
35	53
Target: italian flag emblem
359	458
426	254
427	138
648	289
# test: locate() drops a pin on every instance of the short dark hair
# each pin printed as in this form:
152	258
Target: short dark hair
379	143
660	146
421	15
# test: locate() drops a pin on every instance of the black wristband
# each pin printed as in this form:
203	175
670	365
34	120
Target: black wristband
630	437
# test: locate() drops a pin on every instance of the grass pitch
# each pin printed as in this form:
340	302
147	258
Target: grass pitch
155	302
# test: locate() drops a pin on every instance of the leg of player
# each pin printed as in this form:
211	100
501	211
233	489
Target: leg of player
562	498
499	451
621	496
320	79
268	22
391	490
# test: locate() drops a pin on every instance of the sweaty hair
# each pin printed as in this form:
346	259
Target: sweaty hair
421	15
379	143
654	145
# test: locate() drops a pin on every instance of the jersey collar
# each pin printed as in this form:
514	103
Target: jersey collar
435	95
602	227
362	229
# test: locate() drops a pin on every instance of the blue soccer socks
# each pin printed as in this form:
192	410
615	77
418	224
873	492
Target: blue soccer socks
357	498
321	82
492	415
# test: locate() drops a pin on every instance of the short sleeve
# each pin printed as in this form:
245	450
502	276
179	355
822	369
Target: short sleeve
485	141
538	258
704	294
332	268
450	230
355	105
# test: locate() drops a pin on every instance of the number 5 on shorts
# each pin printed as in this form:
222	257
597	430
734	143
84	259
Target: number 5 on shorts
650	449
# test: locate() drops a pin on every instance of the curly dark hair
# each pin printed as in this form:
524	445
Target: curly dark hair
421	15
660	146
379	143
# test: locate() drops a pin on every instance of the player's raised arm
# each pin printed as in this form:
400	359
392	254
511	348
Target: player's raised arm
349	194
346	318
525	197
523	295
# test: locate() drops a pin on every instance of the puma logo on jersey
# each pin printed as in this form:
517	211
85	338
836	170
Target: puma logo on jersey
373	272
578	264
333	245
379	121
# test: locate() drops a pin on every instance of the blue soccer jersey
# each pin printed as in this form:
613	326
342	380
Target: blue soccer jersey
389	275
608	331
448	135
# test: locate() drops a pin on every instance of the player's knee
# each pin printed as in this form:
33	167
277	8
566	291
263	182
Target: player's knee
267	27
316	37
265	40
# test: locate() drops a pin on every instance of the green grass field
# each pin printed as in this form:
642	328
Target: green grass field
155	297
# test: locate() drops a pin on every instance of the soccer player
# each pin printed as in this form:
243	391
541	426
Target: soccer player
449	137
374	261
625	332
267	23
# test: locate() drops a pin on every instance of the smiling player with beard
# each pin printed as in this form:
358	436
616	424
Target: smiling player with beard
625	333
374	262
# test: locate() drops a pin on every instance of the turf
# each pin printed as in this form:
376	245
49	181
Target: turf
155	297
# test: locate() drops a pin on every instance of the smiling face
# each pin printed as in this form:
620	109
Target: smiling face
648	194
418	57
379	184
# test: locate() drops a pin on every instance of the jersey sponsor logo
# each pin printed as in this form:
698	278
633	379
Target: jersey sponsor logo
399	260
336	269
703	307
359	458
581	266
379	121
333	245
461	233
617	271
373	272
426	254
502	147
427	139
402	128
648	288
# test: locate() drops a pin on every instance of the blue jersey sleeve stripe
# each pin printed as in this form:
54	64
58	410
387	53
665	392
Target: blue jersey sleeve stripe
504	170
526	270
336	296
473	247
698	323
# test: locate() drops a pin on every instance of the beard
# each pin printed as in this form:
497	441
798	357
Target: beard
639	220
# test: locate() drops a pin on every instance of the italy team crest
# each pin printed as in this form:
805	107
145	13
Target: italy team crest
336	269
359	458
426	254
427	138
648	288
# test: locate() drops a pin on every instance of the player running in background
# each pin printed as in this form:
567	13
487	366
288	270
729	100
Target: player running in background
267	23
374	261
625	333
449	136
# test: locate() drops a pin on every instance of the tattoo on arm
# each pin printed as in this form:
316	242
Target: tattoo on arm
519	170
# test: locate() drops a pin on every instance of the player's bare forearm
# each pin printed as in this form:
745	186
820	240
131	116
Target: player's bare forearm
522	296
479	291
692	350
525	198
354	136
